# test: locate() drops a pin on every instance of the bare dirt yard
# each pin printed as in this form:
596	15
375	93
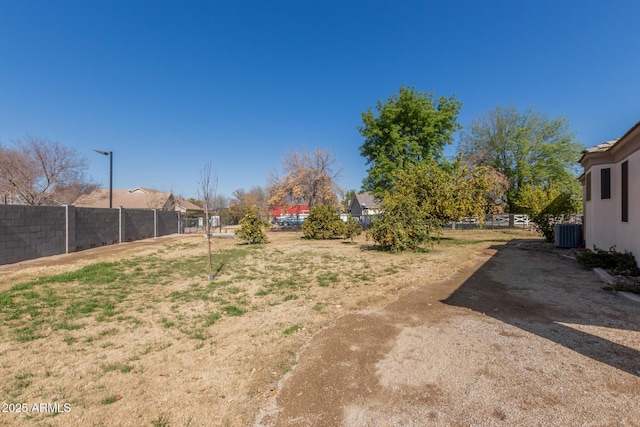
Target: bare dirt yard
320	333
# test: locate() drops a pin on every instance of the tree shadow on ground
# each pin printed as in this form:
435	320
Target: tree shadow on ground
545	294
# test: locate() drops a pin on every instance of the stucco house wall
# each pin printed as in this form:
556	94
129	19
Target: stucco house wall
604	224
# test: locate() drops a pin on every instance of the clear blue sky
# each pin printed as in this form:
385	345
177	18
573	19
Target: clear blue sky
170	85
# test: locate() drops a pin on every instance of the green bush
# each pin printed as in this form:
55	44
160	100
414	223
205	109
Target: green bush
402	225
323	222
251	228
618	263
352	228
545	221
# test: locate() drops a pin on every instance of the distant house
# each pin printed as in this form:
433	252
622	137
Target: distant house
363	207
611	193
138	198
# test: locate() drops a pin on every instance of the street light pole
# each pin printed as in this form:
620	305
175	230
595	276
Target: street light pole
110	154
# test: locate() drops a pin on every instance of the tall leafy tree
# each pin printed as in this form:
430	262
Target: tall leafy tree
528	147
411	127
426	196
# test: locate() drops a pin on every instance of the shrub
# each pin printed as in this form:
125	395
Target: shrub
251	228
402	225
323	222
352	228
545	221
619	263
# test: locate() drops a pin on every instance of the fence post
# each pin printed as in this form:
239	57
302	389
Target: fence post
155	223
70	233
121	233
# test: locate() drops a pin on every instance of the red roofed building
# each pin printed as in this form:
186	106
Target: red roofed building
291	210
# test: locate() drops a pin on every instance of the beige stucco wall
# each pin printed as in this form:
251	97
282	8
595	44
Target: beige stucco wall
599	232
604	227
628	233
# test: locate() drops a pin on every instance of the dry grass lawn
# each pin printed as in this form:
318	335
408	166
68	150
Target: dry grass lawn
136	335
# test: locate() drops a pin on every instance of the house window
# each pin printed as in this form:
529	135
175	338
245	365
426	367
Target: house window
625	191
588	186
605	183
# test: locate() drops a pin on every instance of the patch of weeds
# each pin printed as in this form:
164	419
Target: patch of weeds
161	421
290	297
285	283
232	310
6	300
325	278
107	311
109	332
198	335
134	322
392	270
162	346
50	298
262	292
23	286
292	329
94	274
89	340
112	367
211	319
233	290
68	339
81	307
285	366
167	323
109	400
66	326
319	306
23	379
363	277
30	295
28	333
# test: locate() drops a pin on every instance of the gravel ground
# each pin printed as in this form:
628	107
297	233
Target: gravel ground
522	338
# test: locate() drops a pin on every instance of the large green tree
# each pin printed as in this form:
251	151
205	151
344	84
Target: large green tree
529	148
411	127
426	196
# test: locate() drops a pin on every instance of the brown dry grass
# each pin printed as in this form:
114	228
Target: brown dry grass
144	339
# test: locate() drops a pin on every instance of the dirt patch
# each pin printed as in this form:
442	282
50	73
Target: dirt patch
143	334
520	338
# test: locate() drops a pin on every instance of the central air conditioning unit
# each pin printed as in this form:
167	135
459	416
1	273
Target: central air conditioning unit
568	235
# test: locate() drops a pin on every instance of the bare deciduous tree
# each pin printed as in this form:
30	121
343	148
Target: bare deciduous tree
207	193
42	172
243	201
309	178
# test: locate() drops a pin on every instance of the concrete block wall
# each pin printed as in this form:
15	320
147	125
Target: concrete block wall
31	232
95	227
139	224
28	232
167	223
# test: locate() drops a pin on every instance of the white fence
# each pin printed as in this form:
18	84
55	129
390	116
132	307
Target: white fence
507	220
